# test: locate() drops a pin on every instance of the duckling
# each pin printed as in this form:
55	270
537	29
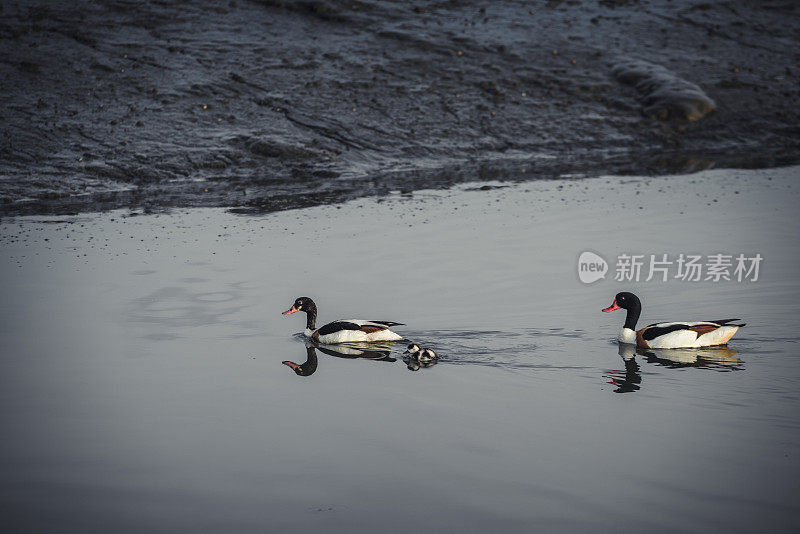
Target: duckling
424	354
428	355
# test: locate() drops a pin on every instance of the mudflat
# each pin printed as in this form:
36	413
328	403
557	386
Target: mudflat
269	105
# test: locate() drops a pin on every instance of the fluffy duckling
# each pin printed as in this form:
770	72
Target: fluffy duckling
421	354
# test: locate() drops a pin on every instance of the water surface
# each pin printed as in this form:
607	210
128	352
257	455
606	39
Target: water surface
143	386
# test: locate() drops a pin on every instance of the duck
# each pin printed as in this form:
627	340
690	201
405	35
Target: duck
674	335
421	354
342	330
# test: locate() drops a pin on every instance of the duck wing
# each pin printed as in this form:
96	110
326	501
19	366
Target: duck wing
655	330
651	332
355	324
338	326
724	322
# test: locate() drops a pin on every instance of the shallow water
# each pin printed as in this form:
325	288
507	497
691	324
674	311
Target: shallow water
143	386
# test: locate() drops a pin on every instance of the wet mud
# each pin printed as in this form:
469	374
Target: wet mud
268	105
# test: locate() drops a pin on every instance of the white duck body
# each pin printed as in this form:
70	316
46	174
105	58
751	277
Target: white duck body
686	335
353	331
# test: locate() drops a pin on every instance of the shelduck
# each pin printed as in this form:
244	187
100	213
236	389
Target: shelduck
669	335
342	330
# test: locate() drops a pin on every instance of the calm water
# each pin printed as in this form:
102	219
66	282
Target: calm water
143	389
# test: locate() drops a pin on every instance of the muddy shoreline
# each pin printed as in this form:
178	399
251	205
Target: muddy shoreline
269	105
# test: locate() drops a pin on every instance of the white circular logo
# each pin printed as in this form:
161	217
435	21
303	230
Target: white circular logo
591	267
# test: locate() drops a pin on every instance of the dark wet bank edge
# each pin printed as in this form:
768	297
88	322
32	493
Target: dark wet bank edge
251	200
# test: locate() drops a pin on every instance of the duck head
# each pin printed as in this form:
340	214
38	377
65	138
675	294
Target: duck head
304	304
630	302
301	304
413	348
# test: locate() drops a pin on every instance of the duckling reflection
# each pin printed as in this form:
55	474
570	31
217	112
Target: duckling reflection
628	381
414	364
308	367
718	358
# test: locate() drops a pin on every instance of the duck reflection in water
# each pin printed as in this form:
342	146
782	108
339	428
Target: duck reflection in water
716	358
308	367
629	380
366	351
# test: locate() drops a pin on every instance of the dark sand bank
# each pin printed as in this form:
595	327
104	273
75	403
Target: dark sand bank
277	104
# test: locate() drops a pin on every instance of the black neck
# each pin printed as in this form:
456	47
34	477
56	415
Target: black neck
633	315
310	365
311	317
